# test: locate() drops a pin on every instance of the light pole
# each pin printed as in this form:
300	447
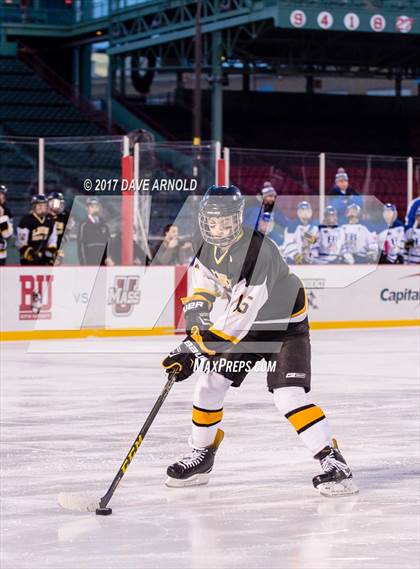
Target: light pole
197	86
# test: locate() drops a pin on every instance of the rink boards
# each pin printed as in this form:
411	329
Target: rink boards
60	302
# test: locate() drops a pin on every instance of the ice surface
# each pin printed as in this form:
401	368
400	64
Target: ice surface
68	419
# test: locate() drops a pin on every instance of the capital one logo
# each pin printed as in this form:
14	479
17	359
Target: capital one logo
35	297
124	295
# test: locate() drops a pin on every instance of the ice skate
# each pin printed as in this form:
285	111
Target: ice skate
337	478
194	469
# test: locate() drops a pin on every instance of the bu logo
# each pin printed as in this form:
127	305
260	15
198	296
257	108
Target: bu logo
35	297
124	295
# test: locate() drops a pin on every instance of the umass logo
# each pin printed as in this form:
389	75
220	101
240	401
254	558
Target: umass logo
124	295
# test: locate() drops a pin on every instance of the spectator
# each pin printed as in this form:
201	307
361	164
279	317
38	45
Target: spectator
173	250
342	194
6	225
36	235
94	237
266	203
115	251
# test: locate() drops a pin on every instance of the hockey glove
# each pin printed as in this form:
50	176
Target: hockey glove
28	254
408	244
299	258
348	259
310	238
183	358
197	312
56	257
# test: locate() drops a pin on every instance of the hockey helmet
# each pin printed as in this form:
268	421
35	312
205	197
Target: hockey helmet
3	193
330	215
220	215
304	211
389	213
353	212
37	201
56	202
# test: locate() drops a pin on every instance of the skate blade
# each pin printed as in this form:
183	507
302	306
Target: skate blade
197	480
336	489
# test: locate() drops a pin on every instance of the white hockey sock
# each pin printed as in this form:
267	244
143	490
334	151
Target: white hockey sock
308	419
209	394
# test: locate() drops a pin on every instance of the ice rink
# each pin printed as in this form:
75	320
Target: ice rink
70	410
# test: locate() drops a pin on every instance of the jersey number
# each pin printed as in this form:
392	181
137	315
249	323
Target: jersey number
243	305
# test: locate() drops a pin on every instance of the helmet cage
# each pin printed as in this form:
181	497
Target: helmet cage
232	223
304	214
56	205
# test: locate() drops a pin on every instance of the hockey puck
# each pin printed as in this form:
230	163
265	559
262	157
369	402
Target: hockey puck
103	511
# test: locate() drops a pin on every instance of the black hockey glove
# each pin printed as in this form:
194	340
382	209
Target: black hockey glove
197	312
28	254
183	358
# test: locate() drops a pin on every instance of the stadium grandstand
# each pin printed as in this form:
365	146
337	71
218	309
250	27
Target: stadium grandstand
279	83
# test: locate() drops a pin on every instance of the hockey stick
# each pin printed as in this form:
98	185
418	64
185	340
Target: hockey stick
83	504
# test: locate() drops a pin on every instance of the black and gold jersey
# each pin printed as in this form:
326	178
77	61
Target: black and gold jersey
259	290
61	221
36	236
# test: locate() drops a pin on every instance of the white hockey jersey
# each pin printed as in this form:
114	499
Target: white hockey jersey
6	231
360	242
329	246
301	241
412	246
391	242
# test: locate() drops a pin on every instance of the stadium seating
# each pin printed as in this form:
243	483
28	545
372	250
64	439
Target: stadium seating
29	107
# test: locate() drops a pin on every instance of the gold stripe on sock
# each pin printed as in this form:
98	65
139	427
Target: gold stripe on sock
205	417
304	417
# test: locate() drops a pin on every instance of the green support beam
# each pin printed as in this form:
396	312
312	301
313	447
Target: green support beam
85	70
217	88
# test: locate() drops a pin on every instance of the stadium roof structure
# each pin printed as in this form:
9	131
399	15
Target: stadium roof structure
356	38
294	34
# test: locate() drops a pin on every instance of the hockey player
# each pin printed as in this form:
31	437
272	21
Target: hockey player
412	241
267	227
265	319
6	225
3	202
36	235
329	246
299	243
361	245
391	239
411	212
59	213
